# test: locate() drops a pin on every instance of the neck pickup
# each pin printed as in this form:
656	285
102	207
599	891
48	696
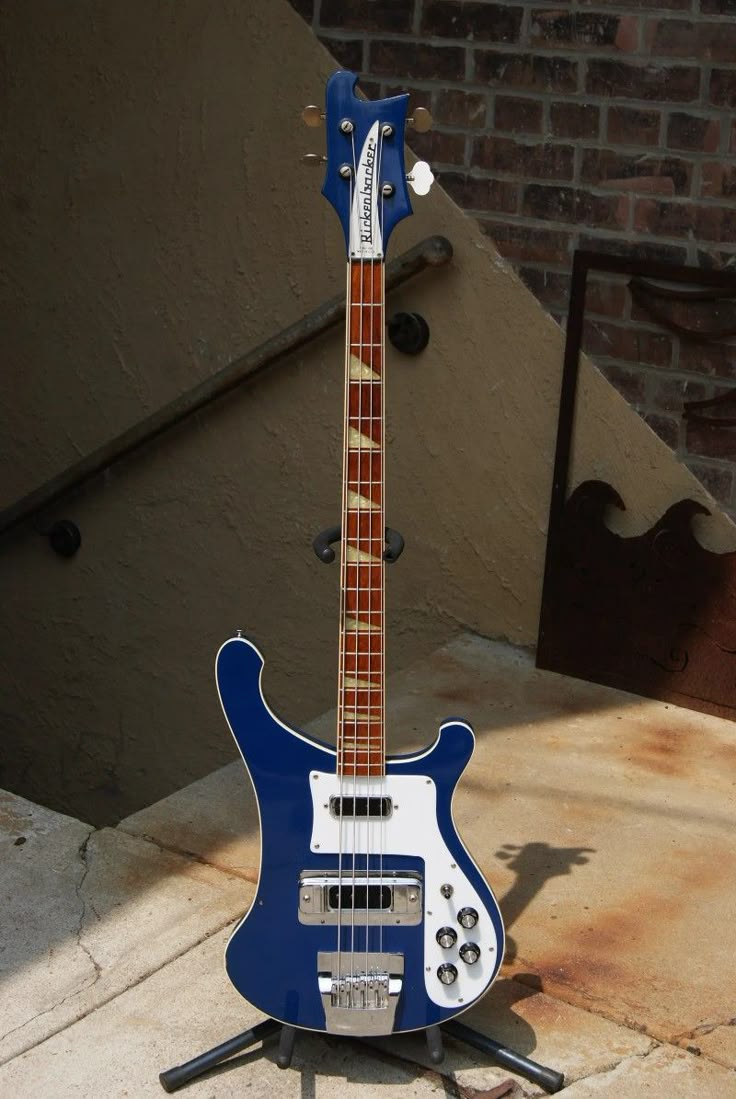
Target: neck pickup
364	808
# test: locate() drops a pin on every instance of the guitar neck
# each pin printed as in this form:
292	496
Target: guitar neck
360	725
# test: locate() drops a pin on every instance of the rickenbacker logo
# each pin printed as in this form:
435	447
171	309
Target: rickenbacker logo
365	232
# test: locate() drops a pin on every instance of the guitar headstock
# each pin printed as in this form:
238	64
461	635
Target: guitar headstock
365	178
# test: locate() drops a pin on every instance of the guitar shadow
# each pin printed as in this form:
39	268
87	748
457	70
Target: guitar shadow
534	864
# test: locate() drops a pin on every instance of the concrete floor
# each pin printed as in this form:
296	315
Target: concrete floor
605	823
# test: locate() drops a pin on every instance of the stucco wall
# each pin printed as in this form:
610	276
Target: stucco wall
158	223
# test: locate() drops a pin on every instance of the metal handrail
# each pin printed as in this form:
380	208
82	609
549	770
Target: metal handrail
431	252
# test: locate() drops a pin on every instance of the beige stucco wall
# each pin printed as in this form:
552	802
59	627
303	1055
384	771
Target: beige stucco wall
158	223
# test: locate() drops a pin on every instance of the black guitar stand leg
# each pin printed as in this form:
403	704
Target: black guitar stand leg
286	1046
546	1078
434	1045
176	1077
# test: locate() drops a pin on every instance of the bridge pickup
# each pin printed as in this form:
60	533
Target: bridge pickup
361	808
379	898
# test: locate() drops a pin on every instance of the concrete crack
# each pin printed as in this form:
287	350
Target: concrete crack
83	911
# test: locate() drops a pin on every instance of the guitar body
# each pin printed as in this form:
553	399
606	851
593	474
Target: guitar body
273	956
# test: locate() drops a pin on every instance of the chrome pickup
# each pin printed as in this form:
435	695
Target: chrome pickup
361	808
378	898
359	991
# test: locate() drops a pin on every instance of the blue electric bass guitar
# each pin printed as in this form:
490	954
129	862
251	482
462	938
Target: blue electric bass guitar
370	916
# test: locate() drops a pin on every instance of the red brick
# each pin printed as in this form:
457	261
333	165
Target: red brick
685	38
606	297
394	16
710	441
538	161
718	180
627	380
528	72
481	22
627	342
437	147
717	359
347	51
685	218
417	60
612	169
666	83
582	30
527	244
669	394
712	257
576	120
702	319
517	115
633	126
420	97
570	205
718	7
475	193
664	218
669	5
458	108
666	427
722	90
639	249
717	480
551	288
689	131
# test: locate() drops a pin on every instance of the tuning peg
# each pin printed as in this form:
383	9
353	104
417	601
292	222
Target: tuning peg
312	116
421	120
313	159
421	178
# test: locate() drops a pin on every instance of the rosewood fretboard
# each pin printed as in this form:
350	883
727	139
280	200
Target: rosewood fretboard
360	727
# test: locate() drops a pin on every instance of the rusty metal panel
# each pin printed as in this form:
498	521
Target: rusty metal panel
654	614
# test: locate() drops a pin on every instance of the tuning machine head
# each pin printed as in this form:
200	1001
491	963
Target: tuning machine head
421	120
313	116
420	178
313	159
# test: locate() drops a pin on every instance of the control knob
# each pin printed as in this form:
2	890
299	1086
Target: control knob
467	917
447	973
470	952
446	937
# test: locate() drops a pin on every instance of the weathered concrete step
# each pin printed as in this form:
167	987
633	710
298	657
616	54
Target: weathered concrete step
86	914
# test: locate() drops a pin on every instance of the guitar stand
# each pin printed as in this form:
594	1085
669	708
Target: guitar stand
546	1078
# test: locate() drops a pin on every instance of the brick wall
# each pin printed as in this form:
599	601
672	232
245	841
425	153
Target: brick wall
597	124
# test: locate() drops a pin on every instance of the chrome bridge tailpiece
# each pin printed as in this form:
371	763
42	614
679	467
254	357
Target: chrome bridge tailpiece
360	991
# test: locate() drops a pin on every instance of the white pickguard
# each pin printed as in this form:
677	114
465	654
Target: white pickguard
412	829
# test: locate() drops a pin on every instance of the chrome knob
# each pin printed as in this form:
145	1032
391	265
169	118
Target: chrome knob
447	973
470	952
313	159
446	890
446	937
467	917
